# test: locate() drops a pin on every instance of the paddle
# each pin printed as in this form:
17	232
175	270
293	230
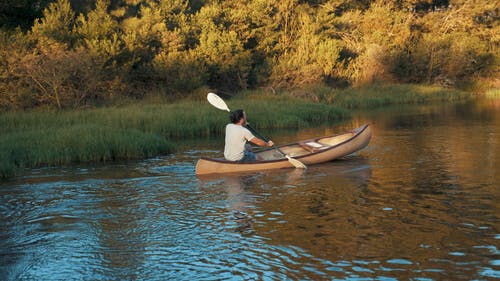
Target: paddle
219	103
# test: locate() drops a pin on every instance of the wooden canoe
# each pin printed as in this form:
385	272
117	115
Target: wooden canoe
311	151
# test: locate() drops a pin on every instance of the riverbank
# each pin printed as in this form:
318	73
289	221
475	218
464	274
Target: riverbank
41	138
49	138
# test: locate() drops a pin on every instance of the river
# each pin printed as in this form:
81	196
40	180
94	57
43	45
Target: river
420	202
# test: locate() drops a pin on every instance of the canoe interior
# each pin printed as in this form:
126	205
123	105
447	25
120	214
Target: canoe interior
305	147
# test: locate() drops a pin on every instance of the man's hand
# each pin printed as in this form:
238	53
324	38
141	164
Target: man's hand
270	143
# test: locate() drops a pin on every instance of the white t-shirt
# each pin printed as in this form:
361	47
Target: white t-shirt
236	138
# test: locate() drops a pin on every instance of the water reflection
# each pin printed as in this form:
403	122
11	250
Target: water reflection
258	204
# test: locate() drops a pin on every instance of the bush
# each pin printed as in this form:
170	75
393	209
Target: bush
54	76
180	71
311	59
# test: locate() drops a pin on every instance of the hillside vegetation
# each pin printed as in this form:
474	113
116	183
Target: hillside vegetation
66	54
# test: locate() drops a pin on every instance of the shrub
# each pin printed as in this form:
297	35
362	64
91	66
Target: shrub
59	77
180	71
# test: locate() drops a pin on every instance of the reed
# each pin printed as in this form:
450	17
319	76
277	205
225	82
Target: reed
75	144
41	138
276	112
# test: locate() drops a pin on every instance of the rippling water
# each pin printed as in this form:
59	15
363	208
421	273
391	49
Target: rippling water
421	202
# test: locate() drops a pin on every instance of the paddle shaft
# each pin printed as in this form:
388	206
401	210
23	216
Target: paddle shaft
257	133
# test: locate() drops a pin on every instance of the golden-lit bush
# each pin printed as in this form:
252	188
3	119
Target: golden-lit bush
51	75
311	57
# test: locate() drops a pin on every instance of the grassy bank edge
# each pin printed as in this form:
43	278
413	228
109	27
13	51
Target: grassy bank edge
51	138
375	95
32	139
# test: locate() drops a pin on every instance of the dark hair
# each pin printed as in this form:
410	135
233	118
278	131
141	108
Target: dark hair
235	116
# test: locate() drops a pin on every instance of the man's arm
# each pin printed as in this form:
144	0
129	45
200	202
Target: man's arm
260	142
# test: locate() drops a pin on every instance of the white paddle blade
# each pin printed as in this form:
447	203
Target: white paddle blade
296	163
216	101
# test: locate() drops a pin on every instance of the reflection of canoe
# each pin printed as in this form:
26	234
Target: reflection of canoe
311	151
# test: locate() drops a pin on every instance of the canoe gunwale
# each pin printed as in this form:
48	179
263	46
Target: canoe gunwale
358	131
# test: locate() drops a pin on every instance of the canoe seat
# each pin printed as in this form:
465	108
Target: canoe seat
312	146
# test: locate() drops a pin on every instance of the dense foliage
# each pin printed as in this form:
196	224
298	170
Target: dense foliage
74	53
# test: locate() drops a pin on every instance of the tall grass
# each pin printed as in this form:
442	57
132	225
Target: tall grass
273	113
493	94
377	95
39	138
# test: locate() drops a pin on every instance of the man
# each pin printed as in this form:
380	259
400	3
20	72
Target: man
237	136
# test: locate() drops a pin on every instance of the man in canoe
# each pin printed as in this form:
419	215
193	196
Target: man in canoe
237	136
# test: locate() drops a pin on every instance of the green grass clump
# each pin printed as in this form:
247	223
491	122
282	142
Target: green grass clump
75	144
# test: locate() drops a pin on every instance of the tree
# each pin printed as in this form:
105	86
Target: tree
57	22
61	77
226	60
456	46
99	32
373	38
311	58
